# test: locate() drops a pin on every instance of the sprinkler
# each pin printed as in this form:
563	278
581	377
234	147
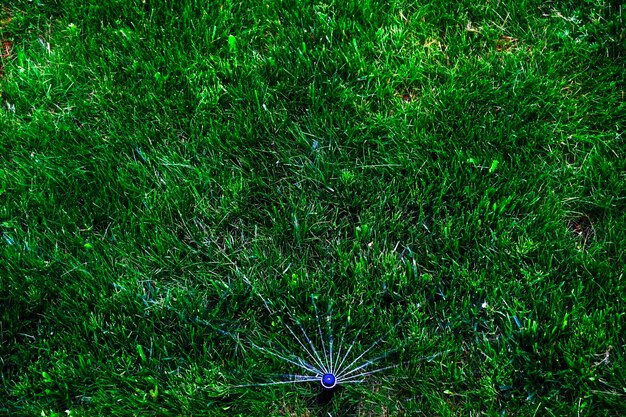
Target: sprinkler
329	381
320	357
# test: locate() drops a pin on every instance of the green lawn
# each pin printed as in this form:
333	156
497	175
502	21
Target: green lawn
183	182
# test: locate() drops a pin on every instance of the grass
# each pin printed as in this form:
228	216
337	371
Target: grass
164	161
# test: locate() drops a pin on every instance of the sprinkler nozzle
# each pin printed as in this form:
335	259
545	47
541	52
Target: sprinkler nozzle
329	381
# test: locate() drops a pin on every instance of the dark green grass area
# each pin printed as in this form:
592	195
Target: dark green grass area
458	167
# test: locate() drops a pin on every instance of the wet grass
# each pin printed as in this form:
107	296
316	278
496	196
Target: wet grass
455	167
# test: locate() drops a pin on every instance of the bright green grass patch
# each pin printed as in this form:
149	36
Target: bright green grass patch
164	162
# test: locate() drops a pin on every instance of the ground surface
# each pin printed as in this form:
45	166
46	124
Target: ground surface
172	171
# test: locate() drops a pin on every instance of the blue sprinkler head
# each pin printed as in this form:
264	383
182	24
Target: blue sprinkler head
328	381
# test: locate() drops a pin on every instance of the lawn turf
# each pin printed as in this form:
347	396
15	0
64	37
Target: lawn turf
165	166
